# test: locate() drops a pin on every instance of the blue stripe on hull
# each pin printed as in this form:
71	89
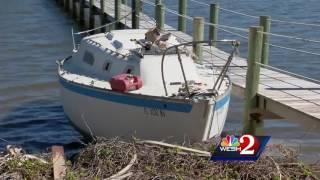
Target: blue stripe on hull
124	99
134	101
222	101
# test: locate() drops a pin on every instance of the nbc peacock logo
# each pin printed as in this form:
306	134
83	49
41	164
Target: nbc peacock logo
230	141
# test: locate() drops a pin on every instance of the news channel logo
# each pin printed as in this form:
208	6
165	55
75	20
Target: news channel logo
240	148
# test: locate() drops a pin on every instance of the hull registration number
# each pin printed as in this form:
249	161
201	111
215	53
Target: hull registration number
154	112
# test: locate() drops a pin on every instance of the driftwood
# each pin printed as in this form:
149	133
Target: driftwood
121	174
59	166
204	153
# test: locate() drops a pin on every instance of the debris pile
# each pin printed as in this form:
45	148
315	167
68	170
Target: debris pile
113	158
136	159
16	164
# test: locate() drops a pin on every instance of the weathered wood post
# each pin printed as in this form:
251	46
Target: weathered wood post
71	8
157	2
86	17
183	11
136	7
102	10
91	14
117	11
214	19
252	122
198	32
265	22
82	6
58	162
160	16
60	2
97	23
66	5
77	11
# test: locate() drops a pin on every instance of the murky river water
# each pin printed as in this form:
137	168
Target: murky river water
35	33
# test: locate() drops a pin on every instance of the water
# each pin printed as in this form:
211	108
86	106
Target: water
36	33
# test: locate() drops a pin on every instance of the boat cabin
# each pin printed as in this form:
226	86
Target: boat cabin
137	52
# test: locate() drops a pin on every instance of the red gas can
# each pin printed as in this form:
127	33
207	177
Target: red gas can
125	82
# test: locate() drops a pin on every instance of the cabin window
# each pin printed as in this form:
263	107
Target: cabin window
129	70
107	66
117	44
88	58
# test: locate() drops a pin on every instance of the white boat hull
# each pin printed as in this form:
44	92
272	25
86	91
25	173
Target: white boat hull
109	114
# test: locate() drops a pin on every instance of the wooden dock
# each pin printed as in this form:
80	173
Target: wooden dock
279	95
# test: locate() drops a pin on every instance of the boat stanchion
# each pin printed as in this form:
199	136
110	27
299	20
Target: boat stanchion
252	122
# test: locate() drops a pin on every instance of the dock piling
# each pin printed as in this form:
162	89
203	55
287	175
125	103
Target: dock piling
157	2
117	11
136	8
160	16
102	10
77	11
265	22
82	6
86	14
183	11
124	2
198	35
214	19
91	14
65	5
97	23
252	122
71	8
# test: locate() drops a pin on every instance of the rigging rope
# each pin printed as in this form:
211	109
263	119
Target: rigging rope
191	18
292	49
287	72
257	17
106	25
291	37
230	32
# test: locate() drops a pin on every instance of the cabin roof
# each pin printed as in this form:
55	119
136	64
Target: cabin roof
122	41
